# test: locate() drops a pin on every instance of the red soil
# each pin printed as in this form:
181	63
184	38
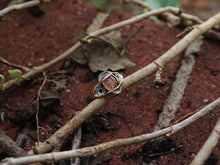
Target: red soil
31	41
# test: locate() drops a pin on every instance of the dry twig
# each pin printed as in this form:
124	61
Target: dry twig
89	151
209	145
21	6
37	104
4	61
58	138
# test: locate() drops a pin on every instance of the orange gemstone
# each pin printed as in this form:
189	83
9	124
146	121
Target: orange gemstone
110	83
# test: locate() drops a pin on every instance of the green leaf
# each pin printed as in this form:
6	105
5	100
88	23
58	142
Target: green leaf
14	73
154	19
2	82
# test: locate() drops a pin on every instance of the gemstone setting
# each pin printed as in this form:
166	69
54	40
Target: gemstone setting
109	82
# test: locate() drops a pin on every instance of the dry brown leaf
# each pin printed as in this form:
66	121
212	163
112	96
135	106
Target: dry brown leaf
101	53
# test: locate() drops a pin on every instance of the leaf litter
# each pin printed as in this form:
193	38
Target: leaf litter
103	52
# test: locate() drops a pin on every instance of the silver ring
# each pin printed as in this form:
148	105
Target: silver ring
109	82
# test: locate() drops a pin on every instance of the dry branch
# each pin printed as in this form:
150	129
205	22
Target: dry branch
89	151
21	6
9	147
58	138
39	69
174	20
209	145
36	70
4	61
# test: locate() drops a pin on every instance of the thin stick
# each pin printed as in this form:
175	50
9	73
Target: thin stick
4	61
37	103
89	151
136	19
20	7
209	145
129	39
58	138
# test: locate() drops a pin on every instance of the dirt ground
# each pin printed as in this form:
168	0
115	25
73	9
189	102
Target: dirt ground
30	41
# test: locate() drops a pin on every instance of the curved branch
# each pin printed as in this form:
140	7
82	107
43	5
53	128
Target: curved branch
89	151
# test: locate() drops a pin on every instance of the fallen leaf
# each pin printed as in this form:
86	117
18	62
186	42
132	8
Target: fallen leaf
102	53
